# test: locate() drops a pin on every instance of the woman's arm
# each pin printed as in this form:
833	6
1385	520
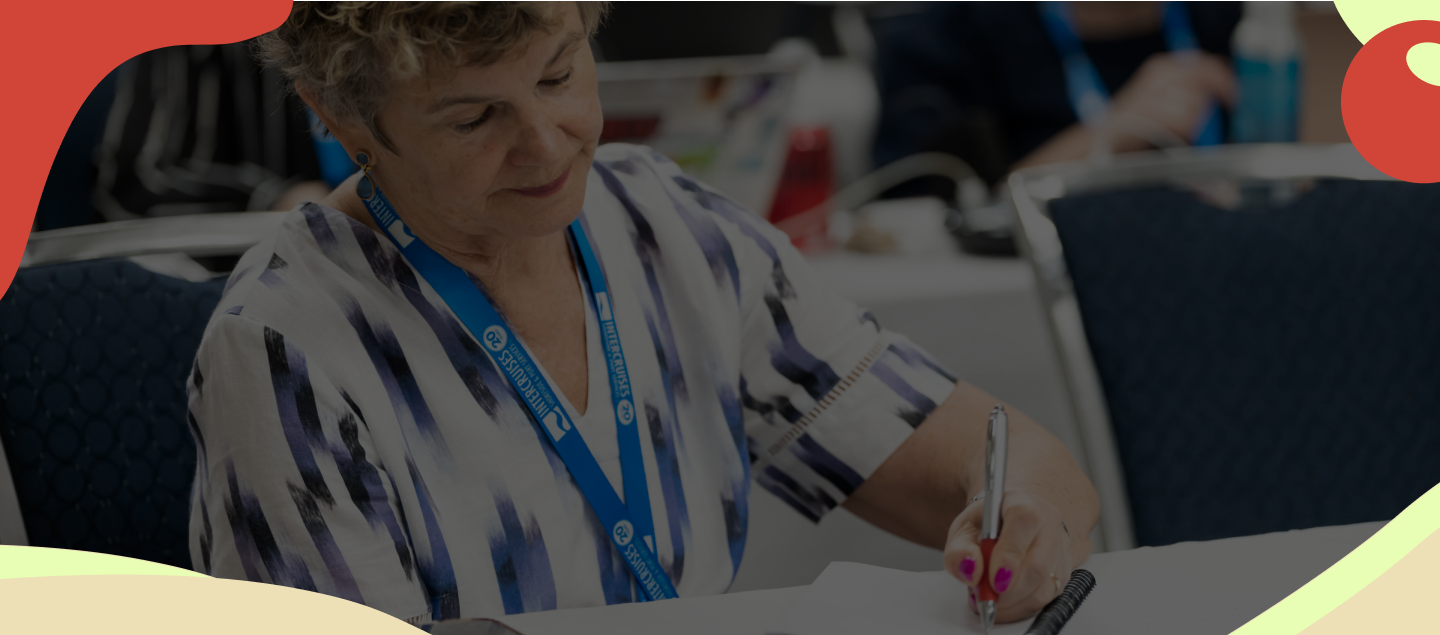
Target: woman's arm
921	492
1166	98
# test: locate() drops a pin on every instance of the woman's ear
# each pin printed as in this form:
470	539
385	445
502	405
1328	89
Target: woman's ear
342	133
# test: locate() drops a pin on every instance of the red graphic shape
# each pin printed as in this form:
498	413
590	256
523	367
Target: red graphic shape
1392	116
56	52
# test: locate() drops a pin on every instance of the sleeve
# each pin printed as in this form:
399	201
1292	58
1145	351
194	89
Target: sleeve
826	393
286	490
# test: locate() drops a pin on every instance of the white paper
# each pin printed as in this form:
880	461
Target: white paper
862	599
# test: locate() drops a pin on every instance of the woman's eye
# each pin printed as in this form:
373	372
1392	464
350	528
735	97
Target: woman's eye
471	125
559	80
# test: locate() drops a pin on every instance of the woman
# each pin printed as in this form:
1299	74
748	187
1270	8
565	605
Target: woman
357	439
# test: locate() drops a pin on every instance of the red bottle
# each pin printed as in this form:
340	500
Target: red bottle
801	208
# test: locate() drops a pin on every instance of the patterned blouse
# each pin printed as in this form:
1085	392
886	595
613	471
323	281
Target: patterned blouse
355	440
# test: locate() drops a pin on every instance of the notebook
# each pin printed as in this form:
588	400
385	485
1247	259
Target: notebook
862	599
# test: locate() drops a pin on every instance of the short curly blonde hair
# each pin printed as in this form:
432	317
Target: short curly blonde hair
349	54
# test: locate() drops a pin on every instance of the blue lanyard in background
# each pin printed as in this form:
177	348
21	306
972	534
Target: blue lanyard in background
624	524
1086	90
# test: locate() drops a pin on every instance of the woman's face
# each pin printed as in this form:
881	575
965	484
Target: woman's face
497	150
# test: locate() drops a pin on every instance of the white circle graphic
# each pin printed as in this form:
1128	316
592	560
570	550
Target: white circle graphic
494	338
625	411
624	533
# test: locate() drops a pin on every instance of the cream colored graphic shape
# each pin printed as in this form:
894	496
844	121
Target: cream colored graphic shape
166	605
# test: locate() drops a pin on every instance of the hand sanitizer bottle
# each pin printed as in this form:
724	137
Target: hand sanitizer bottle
1266	48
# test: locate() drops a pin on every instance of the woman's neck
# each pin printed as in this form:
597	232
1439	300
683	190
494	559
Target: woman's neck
505	264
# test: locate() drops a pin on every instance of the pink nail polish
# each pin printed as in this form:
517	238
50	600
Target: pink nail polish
967	568
1002	579
972	600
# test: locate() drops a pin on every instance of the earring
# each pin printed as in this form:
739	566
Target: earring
364	188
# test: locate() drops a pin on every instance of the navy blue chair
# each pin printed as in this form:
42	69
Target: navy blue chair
94	356
1265	363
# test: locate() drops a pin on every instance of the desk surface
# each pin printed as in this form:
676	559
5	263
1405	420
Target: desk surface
1200	587
880	279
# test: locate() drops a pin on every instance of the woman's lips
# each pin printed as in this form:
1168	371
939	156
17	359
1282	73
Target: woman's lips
546	189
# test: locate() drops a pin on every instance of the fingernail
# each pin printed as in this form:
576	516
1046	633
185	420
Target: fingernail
1002	580
967	568
972	600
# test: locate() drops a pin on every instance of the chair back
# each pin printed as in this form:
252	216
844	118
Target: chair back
94	356
1266	365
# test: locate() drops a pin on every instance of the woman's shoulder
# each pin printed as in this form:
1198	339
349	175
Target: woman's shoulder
278	281
631	153
647	181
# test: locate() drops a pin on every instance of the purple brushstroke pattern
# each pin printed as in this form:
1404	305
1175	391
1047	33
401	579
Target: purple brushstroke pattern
614	573
746	221
791	360
207	539
324	236
735	503
300	422
437	573
827	465
923	405
811	503
299	419
522	565
362	481
615	578
719	254
435	569
393	368
380	254
768	409
202	457
235	276
309	509
917	358
255	541
518	553
672	377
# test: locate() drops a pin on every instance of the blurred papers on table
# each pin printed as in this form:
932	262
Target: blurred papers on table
723	120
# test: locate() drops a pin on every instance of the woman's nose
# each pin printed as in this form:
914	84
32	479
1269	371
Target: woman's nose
540	142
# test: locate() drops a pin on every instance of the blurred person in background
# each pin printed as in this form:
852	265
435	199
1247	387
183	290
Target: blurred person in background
356	439
183	130
1002	85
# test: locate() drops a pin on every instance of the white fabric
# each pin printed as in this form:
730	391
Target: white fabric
355	440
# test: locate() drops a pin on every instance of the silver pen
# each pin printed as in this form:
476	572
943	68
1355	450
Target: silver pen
996	444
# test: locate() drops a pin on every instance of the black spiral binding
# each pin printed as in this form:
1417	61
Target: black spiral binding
1059	611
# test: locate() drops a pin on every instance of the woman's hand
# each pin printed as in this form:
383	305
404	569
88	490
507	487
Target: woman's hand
1172	91
1031	562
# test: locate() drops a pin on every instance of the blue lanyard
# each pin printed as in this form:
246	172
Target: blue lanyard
624	523
1082	82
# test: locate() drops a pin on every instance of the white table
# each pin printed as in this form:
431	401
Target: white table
1208	588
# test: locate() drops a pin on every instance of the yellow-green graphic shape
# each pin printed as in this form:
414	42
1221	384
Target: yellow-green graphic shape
1366	18
1424	61
36	562
1353	573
